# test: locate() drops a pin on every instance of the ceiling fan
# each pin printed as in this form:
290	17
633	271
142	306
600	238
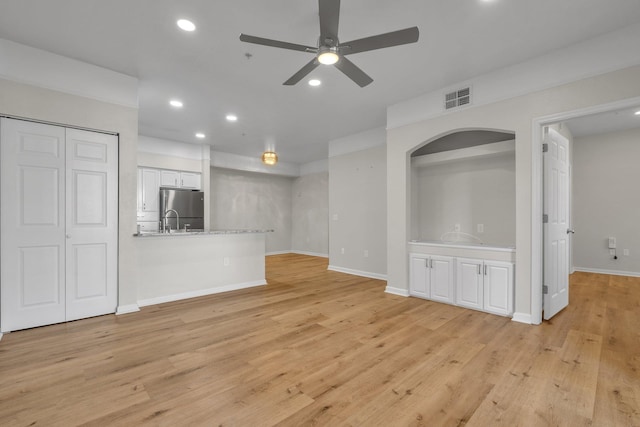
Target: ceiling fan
330	51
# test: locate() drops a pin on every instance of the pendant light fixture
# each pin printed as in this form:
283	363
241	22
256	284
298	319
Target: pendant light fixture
269	158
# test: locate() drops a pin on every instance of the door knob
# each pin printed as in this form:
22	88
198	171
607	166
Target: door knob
571	230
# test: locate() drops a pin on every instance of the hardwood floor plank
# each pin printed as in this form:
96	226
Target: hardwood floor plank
317	347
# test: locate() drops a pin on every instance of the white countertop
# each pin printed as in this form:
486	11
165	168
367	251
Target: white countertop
199	233
463	245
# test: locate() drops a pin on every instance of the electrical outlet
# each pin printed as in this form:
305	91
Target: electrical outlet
625	252
366	253
612	252
480	228
225	261
456	227
334	217
342	251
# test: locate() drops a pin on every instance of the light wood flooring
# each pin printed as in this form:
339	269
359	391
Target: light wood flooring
322	348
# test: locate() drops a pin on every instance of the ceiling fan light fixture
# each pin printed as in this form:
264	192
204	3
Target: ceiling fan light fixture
314	82
328	55
186	25
269	158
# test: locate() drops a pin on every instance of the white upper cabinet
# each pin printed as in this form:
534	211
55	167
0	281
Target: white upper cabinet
177	179
169	178
190	180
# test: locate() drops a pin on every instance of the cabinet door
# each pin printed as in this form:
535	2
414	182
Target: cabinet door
169	179
498	288
139	193
190	180
469	283
419	277
441	275
150	194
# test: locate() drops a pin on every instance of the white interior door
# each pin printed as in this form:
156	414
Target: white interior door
33	224
91	224
59	224
557	226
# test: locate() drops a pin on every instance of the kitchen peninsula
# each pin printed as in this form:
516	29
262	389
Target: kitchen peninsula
180	265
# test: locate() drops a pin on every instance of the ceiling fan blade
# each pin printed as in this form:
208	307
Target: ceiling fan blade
329	18
394	38
302	73
275	43
353	72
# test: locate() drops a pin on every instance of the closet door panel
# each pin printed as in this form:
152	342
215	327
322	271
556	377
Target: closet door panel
33	237
92	224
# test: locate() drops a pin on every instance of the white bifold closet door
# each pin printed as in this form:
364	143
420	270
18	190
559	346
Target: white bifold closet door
59	224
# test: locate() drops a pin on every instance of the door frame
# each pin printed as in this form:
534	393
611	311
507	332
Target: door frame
537	194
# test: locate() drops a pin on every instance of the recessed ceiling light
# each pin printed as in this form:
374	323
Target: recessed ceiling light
232	118
314	82
200	135
637	113
186	25
176	103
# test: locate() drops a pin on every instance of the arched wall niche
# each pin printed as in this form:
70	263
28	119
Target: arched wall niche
462	187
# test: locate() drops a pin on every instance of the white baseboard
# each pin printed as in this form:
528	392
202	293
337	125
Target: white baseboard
610	272
199	293
396	291
522	318
0	336
126	309
278	253
358	272
311	254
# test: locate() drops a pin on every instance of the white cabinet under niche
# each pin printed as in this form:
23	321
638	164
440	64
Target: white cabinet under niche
471	276
485	285
432	277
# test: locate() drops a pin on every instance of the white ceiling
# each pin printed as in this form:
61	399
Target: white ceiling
209	72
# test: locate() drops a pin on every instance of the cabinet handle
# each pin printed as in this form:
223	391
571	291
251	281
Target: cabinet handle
478	269
431	263
485	270
182	182
426	263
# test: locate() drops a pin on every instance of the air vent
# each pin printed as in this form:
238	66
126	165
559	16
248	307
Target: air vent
457	98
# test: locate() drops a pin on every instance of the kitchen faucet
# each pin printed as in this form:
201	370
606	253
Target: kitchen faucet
177	219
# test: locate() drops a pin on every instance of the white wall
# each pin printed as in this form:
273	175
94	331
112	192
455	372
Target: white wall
249	200
606	201
468	192
310	214
357	212
516	114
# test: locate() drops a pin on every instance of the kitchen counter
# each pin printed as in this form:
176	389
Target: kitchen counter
179	265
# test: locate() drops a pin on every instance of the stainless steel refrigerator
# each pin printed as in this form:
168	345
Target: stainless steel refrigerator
181	209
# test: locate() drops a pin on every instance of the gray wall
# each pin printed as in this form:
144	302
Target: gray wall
310	214
467	192
254	201
606	201
358	211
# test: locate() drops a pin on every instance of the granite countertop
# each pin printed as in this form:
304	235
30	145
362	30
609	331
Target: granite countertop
199	233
